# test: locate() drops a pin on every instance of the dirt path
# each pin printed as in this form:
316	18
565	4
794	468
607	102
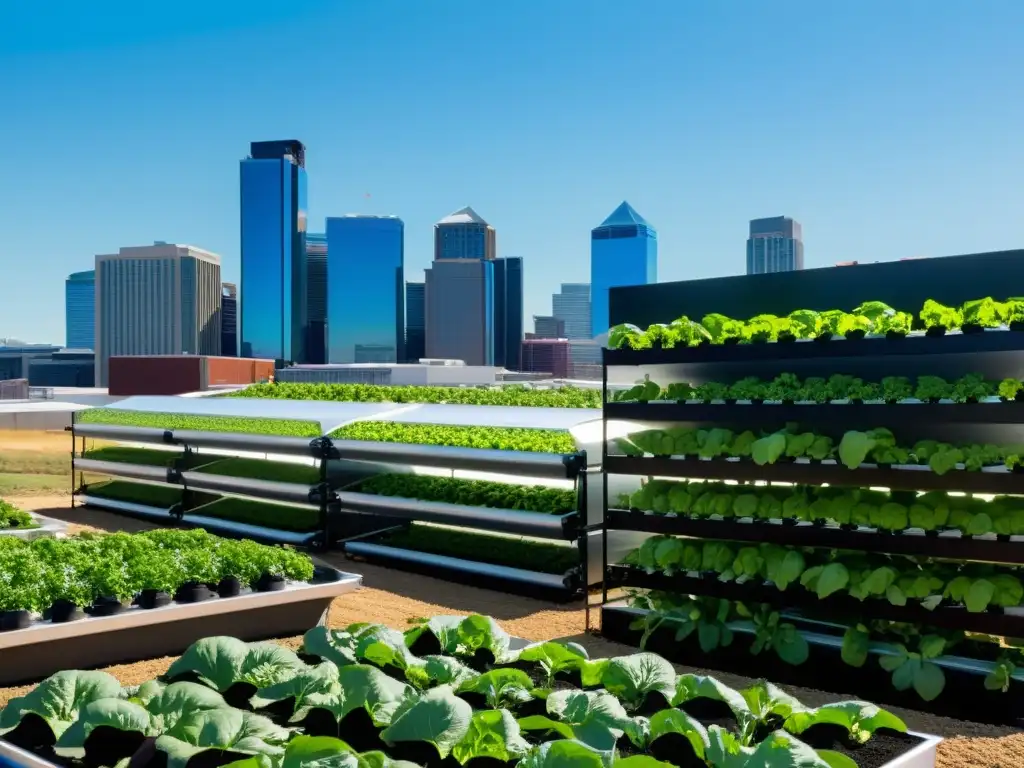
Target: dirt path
394	597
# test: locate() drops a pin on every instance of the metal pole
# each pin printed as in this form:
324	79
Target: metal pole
604	481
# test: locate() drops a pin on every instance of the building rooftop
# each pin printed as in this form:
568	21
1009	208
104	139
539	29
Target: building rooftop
86	276
464	216
624	215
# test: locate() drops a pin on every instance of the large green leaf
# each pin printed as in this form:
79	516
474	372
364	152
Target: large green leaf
764	699
438	670
359	643
328	752
438	717
168	705
676	721
59	699
266	664
115	713
859	717
544	723
500	687
555	657
691	687
478	632
778	750
596	718
632	677
492	734
566	753
312	687
444	628
221	730
216	660
366	687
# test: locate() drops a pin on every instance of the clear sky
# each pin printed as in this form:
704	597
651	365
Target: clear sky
887	129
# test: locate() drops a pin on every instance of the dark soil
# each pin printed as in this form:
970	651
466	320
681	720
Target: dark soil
106	745
676	749
883	746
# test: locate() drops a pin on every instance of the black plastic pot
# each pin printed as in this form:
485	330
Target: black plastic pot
825	337
229	586
856	335
731	340
1017	325
895	335
1018	469
153	598
270	582
757	401
192	592
63	611
971	328
11	620
786	338
936	331
106	606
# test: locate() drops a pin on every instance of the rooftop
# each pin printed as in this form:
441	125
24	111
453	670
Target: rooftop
464	216
624	216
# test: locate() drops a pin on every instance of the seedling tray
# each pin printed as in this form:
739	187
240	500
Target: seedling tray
43	648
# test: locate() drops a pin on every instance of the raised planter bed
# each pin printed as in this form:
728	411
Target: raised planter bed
44	526
43	648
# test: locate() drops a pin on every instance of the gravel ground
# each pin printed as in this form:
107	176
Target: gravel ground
393	597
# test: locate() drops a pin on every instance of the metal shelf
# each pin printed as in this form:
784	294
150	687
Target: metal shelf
824	416
536	524
269	490
132	471
950	545
483	575
840	606
996	480
917	344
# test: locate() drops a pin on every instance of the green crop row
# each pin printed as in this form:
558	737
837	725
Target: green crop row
497	438
855	448
708	619
871	317
278	516
473	493
172	421
398	700
526	554
896	511
893	578
36	574
789	388
14	518
516	396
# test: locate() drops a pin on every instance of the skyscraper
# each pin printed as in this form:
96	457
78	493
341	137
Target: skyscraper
508	311
623	251
273	321
229	320
774	245
80	310
460	290
571	306
160	299
316	298
366	289
550	327
415	322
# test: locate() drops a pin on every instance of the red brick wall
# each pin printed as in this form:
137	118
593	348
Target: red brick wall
155	375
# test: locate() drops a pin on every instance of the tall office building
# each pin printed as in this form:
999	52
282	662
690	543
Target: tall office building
460	290
623	251
550	356
775	245
229	320
508	311
273	321
159	299
571	306
316	297
80	310
415	322
366	289
550	327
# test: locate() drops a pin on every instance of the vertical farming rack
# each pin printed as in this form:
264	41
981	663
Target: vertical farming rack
841	621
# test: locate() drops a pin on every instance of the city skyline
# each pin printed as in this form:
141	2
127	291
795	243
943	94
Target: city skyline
685	151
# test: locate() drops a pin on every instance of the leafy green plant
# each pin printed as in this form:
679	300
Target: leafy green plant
935	315
178	421
473	493
14	518
220	662
495	438
771	633
59	699
642	391
627	335
984	313
722	329
915	669
858	717
1009	389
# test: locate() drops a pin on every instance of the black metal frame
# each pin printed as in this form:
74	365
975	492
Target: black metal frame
997	354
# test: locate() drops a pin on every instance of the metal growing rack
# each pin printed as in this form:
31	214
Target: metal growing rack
996	354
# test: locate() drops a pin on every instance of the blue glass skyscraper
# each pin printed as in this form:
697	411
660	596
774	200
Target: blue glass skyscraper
623	251
415	321
365	289
80	310
273	317
316	298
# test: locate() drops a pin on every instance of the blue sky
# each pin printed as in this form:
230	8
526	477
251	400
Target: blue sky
887	129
